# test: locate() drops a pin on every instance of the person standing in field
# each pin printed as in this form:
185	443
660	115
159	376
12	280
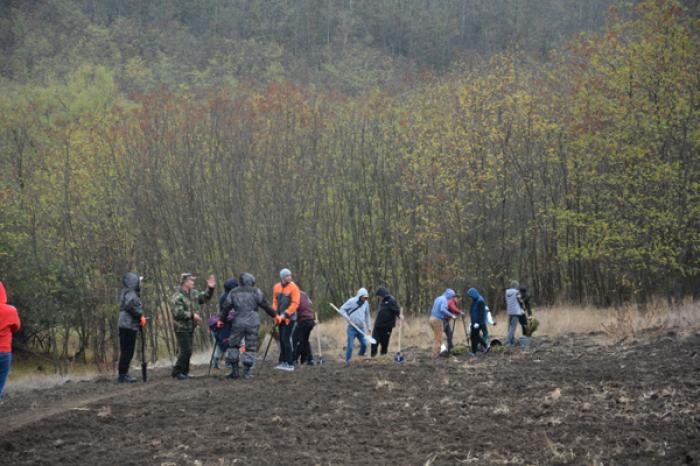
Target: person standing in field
356	310
187	303
221	335
389	311
243	301
439	313
130	319
9	325
516	315
286	297
477	313
305	324
453	307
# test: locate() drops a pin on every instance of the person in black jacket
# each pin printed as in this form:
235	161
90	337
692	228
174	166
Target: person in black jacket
130	319
389	311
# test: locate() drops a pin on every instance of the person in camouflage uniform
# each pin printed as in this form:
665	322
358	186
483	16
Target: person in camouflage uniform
186	303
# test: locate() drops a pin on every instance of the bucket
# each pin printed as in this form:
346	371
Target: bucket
525	342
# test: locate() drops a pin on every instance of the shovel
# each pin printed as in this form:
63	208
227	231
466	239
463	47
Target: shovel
272	337
144	364
320	359
368	338
398	357
466	334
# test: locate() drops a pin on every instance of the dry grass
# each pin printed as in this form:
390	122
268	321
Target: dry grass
611	324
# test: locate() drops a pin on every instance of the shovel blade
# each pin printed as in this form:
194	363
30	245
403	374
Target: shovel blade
398	357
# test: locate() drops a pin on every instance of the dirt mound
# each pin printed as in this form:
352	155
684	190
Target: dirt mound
565	402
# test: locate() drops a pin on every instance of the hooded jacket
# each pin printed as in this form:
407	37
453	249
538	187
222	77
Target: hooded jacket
441	307
478	310
513	300
9	322
389	310
244	301
130	306
357	311
229	284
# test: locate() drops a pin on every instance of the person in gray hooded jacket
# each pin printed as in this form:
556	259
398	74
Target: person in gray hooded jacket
241	308
130	319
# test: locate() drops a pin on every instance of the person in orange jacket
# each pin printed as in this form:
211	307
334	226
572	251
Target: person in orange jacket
286	297
9	324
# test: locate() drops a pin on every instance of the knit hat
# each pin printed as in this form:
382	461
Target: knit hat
284	273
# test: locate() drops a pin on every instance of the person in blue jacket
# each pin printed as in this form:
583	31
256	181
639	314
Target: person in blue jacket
438	314
478	318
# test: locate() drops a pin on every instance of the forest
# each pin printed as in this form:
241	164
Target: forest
412	144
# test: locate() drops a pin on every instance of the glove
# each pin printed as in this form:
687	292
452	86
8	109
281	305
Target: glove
142	321
476	326
278	319
219	324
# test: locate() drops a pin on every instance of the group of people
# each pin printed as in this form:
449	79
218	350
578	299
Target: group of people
236	325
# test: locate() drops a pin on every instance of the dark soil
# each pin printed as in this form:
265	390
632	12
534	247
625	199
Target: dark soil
568	401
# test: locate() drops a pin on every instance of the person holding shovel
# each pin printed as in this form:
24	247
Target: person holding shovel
438	314
186	305
453	307
389	311
130	319
356	310
477	313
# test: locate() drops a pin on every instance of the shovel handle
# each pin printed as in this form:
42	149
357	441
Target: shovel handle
371	340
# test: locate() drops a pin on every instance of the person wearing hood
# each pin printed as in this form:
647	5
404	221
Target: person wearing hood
9	325
130	319
286	297
477	312
356	310
453	306
389	311
438	314
241	309
187	302
221	335
516	314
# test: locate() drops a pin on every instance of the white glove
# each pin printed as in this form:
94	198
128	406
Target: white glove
476	326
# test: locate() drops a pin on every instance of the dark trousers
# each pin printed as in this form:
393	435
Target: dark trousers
286	342
382	335
449	333
127	344
184	352
475	337
302	347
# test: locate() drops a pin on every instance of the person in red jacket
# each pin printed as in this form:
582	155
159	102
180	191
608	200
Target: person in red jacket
9	324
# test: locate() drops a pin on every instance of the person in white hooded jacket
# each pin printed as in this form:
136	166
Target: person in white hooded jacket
357	311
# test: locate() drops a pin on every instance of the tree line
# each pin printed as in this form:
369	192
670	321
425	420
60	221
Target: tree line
579	176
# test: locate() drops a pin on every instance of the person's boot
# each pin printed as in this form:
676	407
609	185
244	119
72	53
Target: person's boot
234	372
126	378
247	372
